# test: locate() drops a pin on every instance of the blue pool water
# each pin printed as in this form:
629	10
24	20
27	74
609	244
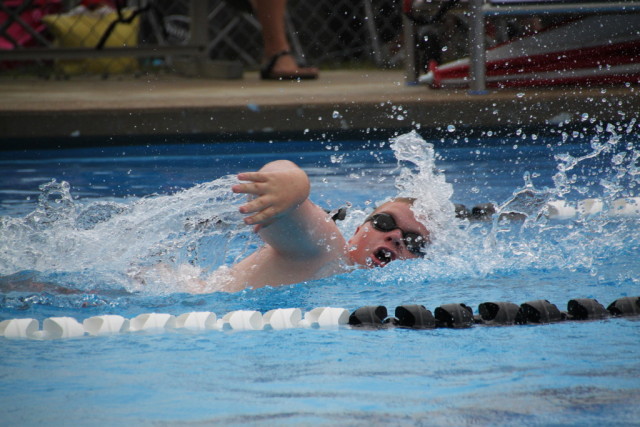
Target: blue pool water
69	252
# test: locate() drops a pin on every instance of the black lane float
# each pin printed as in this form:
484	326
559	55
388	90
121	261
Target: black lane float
414	316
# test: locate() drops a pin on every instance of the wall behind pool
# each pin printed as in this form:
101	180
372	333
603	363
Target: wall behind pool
290	141
335	115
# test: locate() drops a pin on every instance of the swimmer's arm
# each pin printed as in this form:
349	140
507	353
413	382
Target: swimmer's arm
185	277
282	213
276	189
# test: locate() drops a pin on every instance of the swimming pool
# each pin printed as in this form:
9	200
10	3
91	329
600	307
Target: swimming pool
129	206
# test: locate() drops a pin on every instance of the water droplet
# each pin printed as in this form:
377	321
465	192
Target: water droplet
520	94
336	115
336	158
451	128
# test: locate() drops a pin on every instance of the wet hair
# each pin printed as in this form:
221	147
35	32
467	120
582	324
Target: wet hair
408	200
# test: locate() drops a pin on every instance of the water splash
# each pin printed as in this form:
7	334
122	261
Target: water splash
464	249
419	178
108	246
109	242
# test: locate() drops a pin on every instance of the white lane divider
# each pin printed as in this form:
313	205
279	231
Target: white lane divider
19	328
197	321
560	209
282	318
108	324
240	320
52	328
152	322
324	317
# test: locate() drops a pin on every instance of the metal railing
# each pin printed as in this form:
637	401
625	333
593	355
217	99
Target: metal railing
480	10
473	38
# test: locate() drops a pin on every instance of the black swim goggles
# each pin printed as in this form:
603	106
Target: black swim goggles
385	222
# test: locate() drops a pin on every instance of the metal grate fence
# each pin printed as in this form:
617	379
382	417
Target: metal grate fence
81	37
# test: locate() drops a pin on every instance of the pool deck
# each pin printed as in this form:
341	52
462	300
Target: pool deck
170	107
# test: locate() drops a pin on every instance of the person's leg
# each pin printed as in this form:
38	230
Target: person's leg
271	14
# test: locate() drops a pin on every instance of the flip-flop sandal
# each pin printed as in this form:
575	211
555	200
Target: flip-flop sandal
267	73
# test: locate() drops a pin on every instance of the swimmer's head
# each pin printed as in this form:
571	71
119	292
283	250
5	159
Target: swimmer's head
391	232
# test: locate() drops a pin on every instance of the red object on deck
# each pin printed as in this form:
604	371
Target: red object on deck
593	50
20	32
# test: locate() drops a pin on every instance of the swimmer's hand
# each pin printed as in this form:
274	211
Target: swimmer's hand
277	189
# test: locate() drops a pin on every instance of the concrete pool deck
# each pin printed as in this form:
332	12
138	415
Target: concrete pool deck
170	107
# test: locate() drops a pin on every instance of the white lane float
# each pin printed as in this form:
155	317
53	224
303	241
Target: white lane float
282	318
620	208
626	207
325	317
108	324
19	328
242	320
560	209
197	321
60	327
152	322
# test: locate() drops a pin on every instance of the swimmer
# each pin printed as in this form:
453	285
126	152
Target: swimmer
302	242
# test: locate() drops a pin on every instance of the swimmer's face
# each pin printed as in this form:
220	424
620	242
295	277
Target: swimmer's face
376	242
